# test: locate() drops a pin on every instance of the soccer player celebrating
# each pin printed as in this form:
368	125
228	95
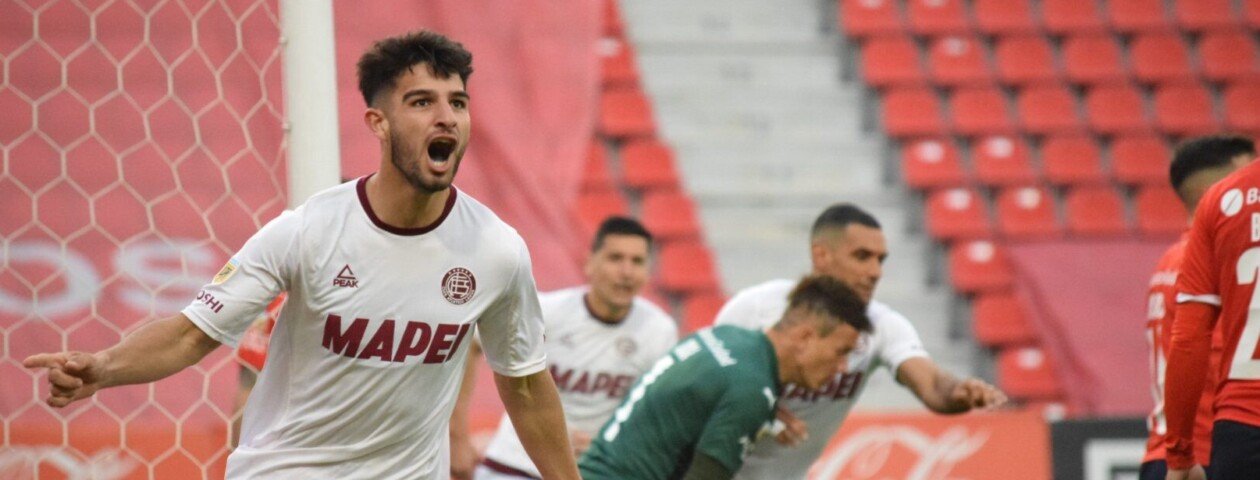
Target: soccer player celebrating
600	338
846	244
1218	276
1197	165
700	408
385	277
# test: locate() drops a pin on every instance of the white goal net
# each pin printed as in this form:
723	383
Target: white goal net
142	143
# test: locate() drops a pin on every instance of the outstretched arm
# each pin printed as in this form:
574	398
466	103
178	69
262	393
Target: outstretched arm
533	405
154	351
944	393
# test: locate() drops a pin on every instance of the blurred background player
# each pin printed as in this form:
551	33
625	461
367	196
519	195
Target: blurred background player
600	338
1197	165
700	408
1218	276
345	395
846	244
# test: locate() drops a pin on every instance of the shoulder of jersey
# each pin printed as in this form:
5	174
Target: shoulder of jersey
562	295
653	312
769	288
880	312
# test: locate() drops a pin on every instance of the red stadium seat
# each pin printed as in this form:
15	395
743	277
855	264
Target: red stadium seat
595	172
1049	109
1071	160
891	61
980	111
1160	211
1228	56
957	60
1004	16
686	267
593	207
1093	59
957	213
1251	13
1204	15
931	163
864	18
617	63
1002	160
1027	373
613	26
1140	159
1095	211
1132	16
626	113
670	215
1024	59
700	311
648	164
1027	212
1160	58
1242	107
998	321
1071	16
912	112
938	17
1184	110
979	266
1116	109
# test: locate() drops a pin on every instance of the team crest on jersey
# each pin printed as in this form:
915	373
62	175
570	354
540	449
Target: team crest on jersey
626	346
459	285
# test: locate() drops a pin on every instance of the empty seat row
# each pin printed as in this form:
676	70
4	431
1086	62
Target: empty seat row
1073	159
862	18
1033	213
1177	109
1088	59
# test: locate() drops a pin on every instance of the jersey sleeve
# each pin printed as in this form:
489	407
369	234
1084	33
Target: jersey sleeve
898	341
1198	279
261	269
736	423
511	330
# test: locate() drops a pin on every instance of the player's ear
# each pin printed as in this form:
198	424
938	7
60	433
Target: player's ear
376	122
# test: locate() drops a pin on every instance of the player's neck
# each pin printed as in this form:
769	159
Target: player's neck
783	345
399	204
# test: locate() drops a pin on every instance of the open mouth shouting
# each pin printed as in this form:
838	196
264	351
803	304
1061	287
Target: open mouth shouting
441	149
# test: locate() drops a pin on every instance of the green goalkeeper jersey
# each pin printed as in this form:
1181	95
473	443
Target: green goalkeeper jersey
713	393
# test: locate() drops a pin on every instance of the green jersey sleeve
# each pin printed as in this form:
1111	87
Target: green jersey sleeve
744	414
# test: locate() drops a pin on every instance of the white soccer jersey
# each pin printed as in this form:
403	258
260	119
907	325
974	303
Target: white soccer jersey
367	357
893	341
594	364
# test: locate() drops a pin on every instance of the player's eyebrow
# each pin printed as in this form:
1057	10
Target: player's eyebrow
459	94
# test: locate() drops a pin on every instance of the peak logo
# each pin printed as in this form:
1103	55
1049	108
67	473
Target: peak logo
346	278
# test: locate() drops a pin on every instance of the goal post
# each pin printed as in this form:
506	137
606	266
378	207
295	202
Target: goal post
310	94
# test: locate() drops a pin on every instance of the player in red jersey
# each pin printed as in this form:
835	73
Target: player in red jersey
1197	165
1218	276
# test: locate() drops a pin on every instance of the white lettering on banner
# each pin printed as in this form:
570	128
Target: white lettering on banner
167	274
80	280
867	451
106	464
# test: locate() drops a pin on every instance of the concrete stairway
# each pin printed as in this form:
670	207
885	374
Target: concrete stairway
767	134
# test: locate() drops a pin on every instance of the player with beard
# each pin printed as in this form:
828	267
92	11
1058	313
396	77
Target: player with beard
847	244
386	276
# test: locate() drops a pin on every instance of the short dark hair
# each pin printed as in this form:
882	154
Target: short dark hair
620	226
381	65
841	215
831	297
1206	152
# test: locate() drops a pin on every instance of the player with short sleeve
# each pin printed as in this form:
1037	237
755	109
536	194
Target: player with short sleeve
1218	276
386	277
846	244
1197	164
600	338
699	409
